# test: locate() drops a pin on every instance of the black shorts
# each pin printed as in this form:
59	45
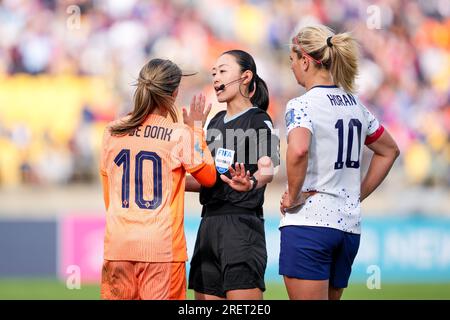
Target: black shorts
230	254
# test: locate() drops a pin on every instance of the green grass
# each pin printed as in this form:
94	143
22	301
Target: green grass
54	290
44	289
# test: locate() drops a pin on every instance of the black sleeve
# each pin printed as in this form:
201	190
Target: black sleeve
268	140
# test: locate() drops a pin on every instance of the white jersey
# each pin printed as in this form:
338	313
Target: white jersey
339	125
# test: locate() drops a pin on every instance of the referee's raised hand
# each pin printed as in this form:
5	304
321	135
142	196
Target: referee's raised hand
197	112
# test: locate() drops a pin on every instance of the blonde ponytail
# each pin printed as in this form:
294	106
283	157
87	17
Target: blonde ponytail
337	53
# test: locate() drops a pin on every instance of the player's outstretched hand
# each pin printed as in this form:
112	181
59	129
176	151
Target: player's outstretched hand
197	112
240	179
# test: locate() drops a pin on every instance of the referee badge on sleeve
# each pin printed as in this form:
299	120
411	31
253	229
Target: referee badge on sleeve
224	158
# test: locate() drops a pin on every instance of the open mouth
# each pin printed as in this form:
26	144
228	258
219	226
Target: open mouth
218	91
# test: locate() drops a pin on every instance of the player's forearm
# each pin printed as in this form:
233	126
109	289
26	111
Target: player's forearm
205	176
263	179
296	165
378	170
192	185
265	172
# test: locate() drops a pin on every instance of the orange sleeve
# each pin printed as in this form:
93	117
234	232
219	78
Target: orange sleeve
104	150
202	168
193	150
206	175
103	175
105	184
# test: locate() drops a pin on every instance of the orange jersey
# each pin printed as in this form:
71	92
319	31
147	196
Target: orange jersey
144	180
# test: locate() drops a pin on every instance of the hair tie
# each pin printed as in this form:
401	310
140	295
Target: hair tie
329	41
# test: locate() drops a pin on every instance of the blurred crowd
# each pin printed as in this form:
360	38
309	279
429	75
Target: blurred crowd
404	77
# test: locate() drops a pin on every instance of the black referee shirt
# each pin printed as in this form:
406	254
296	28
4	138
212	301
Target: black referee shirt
244	138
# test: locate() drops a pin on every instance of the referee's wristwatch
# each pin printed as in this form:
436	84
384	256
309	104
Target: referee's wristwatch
254	182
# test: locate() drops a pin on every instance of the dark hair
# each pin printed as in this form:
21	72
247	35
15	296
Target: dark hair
157	82
246	62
